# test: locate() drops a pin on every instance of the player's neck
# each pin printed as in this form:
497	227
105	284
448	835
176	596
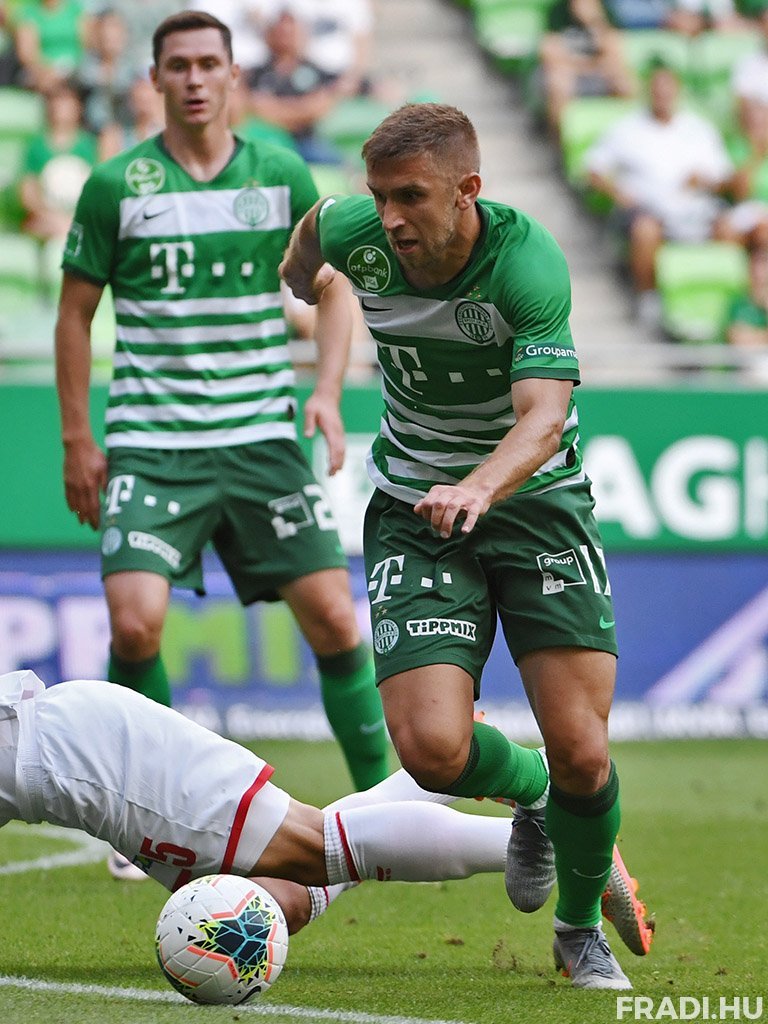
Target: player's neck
203	154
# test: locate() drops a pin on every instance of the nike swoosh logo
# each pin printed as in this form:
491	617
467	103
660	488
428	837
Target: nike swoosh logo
605	624
582	875
159	213
368	729
375	309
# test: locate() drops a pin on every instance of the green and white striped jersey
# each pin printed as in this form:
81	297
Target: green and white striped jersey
449	355
201	358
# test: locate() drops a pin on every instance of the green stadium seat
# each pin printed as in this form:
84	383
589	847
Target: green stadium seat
696	283
641	46
510	35
712	58
350	123
21	112
584	120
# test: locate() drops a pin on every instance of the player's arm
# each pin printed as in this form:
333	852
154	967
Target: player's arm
85	465
304	269
541	407
333	335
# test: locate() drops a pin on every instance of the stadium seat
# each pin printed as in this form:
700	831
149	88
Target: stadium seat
696	283
712	58
21	112
584	120
642	46
510	35
350	123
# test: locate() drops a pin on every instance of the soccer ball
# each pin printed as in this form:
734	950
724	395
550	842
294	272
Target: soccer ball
221	939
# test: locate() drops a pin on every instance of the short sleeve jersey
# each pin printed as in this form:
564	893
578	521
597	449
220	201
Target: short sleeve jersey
450	355
201	357
744	310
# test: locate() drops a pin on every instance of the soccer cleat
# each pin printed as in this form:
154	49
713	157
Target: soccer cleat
529	874
584	956
122	869
625	911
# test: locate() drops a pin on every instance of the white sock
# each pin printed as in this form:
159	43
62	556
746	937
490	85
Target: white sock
412	842
322	896
397	787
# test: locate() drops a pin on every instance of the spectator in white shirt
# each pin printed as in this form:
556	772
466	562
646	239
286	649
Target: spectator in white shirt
750	75
662	167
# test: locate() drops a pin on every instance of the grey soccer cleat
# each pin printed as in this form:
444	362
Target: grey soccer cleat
530	869
584	956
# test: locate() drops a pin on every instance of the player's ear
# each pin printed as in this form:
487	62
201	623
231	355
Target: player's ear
235	77
469	189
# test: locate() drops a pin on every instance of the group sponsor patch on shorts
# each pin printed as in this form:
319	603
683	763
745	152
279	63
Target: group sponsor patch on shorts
442	627
560	570
385	636
148	542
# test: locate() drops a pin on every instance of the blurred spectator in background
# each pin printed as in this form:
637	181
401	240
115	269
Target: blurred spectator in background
55	168
140	18
10	68
340	40
105	75
50	38
290	91
750	75
638	13
581	55
694	16
748	316
747	221
146	118
247	126
662	167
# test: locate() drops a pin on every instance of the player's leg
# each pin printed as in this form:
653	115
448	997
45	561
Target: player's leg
322	605
570	690
278	539
137	604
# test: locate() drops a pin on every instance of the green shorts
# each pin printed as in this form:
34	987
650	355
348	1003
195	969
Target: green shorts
258	504
535	559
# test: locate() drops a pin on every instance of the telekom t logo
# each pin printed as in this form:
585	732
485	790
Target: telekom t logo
172	260
119	489
389	571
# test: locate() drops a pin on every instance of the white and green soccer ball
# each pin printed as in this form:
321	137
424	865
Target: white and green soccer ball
221	939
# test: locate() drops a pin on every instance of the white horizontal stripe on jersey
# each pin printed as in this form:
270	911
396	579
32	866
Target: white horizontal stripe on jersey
197	307
416	430
417	471
167	215
226	437
489	415
203	362
410	495
432	458
221	332
199	414
411	317
200	386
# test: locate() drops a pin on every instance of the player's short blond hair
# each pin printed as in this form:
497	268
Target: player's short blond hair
444	131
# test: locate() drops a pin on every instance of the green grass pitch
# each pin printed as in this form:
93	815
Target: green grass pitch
694	832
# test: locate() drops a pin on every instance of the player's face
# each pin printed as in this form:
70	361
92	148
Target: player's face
422	209
195	76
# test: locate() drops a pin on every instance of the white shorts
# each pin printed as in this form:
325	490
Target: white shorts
173	797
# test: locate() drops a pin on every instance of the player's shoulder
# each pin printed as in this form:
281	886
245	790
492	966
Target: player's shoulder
349	212
138	170
517	235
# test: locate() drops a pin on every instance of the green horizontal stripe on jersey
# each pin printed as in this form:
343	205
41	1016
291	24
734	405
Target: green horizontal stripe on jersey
252	395
199	319
171	373
182	348
182	427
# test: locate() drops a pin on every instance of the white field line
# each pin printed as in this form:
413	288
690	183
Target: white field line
87	850
267	1010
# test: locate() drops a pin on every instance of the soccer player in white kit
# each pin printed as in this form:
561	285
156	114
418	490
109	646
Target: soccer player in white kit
180	801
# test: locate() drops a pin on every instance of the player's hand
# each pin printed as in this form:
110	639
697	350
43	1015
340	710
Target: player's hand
446	505
302	282
323	412
85	477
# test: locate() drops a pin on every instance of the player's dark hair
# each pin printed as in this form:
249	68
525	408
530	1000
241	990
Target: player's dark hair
187	21
415	128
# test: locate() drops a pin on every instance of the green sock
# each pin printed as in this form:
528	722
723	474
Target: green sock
353	706
148	677
583	830
497	767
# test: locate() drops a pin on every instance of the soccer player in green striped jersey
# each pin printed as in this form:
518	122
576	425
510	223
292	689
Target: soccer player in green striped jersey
188	229
481	506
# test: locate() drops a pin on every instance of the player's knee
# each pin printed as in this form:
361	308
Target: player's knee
432	758
134	637
580	766
335	629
